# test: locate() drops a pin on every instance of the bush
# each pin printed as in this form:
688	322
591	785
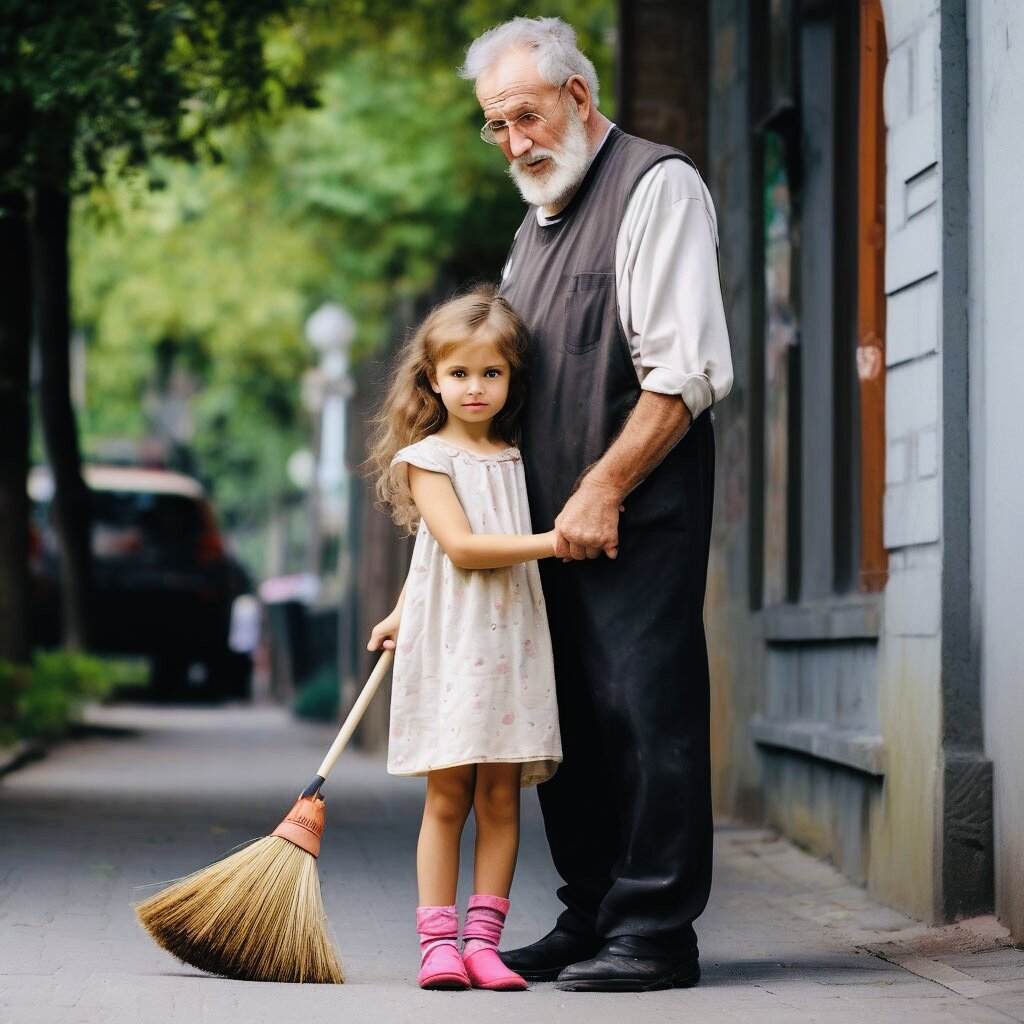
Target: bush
41	700
319	698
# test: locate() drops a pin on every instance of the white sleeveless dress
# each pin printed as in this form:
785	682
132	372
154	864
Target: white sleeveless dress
473	677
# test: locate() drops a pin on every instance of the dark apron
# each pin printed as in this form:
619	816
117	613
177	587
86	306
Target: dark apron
628	814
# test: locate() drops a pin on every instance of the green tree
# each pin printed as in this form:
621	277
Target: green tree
208	278
92	89
15	331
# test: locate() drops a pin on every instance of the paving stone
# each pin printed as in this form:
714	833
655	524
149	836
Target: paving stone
1010	1004
1006	964
103	818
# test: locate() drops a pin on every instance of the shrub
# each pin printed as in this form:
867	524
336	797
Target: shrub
319	698
41	700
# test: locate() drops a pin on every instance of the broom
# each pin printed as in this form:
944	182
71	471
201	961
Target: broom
257	914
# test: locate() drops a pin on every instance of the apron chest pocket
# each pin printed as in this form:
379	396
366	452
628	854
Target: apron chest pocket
586	311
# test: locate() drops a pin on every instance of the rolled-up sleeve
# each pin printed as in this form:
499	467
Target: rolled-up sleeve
669	291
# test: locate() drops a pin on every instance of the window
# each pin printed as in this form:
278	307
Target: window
819	257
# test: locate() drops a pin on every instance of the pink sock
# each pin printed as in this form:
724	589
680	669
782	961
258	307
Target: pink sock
485	920
440	966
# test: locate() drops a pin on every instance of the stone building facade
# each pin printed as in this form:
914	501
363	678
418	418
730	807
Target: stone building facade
866	559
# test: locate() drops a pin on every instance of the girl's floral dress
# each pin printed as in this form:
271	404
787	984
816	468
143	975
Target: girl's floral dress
473	676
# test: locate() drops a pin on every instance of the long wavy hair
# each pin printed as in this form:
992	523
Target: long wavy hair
412	410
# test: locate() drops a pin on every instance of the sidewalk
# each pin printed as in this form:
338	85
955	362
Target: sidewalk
785	938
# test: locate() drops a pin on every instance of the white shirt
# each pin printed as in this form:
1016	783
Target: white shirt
669	293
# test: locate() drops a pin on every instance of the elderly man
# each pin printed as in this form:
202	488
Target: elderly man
615	271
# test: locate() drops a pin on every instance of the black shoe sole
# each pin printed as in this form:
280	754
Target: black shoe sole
548	974
684	977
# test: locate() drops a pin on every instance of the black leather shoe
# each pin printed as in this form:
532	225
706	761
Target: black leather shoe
617	968
546	958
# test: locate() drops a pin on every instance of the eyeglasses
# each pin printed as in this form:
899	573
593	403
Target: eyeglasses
496	132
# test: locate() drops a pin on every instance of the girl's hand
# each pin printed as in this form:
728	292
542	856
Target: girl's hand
384	636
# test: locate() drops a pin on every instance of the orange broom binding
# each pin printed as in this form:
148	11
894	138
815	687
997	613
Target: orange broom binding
304	825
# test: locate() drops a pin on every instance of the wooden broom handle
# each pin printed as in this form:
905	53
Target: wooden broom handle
380	670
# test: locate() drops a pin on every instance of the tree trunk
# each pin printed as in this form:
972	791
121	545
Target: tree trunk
15	346
72	503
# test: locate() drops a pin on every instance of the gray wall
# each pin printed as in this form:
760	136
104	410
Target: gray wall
863	709
996	277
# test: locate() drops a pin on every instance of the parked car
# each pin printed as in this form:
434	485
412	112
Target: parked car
166	586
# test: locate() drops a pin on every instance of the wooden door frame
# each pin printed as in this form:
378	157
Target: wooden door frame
874	563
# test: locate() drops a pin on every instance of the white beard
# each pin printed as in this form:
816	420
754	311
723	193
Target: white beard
554	186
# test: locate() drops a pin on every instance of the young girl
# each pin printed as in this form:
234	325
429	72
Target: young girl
473	693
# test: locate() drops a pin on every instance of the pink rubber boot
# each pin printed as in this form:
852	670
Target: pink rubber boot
441	965
484	922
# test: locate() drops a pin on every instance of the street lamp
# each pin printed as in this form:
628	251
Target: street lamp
330	330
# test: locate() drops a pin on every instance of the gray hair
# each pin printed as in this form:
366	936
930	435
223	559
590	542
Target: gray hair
552	42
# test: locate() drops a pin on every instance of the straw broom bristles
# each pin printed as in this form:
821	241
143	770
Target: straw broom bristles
255	916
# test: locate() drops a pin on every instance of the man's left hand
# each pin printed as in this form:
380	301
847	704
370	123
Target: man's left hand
588	523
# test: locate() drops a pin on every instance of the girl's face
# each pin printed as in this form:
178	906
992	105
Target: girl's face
472	382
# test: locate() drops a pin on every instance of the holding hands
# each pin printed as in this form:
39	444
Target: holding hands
589	523
587	526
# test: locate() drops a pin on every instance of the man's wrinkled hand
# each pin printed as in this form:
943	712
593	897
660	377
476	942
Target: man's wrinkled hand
588	524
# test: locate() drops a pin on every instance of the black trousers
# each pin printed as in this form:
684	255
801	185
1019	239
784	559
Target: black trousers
628	813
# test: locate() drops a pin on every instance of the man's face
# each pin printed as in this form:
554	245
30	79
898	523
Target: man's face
547	160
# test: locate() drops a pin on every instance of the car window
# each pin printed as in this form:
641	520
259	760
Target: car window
127	522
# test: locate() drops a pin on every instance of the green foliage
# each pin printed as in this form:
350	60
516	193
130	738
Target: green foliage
207	271
45	697
363	200
87	84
